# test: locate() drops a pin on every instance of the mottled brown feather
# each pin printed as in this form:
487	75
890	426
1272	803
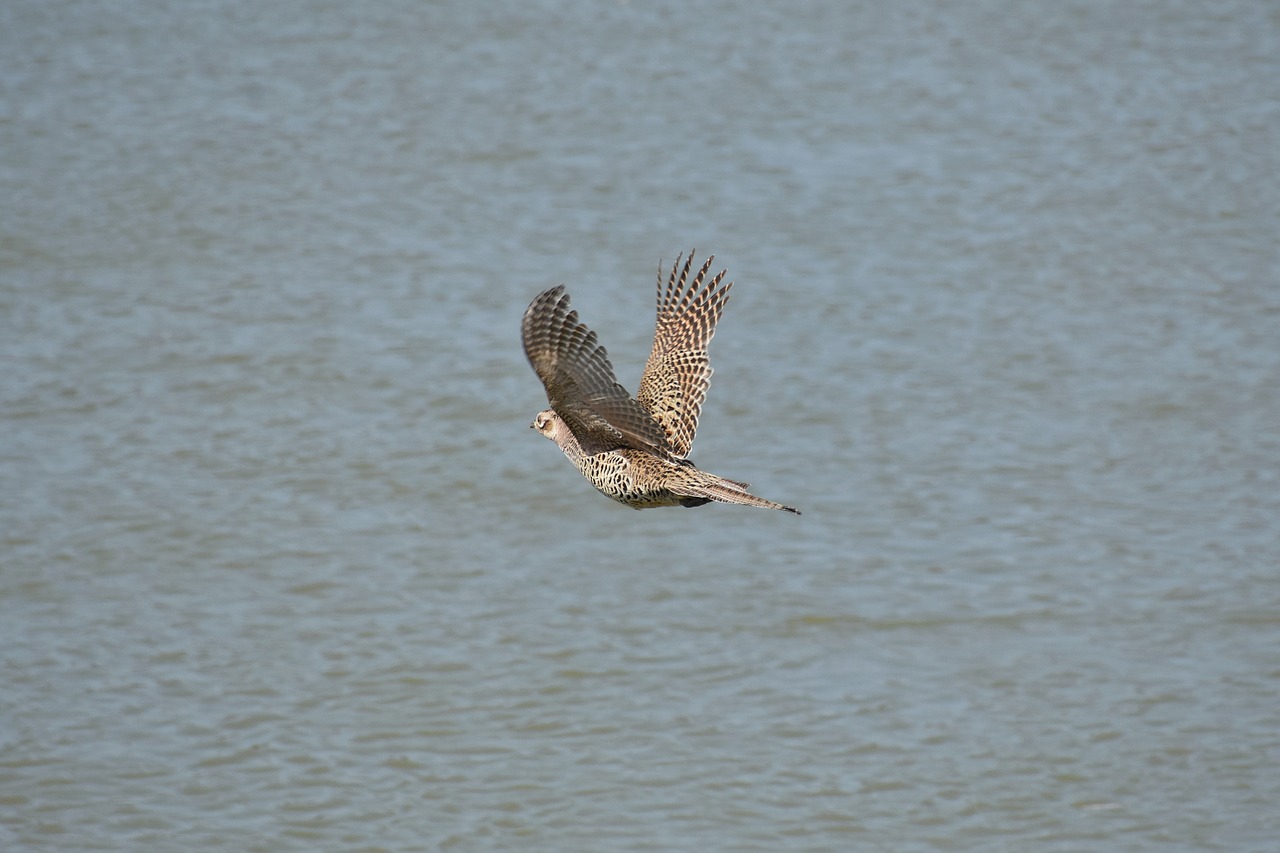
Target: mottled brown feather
580	383
678	373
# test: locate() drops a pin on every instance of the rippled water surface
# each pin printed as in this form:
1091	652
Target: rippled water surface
282	566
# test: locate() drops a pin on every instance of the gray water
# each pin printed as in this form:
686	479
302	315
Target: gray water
283	567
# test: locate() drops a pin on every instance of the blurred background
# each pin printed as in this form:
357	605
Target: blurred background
282	566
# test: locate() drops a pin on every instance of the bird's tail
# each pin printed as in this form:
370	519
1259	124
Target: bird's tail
712	487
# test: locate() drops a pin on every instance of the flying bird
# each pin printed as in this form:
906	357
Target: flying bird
635	450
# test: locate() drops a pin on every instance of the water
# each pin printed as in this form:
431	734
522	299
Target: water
284	567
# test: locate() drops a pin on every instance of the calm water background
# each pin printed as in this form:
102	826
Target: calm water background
284	567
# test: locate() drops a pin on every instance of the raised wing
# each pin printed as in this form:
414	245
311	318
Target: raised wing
580	383
678	373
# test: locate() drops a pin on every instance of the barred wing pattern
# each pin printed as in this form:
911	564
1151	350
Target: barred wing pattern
580	383
678	373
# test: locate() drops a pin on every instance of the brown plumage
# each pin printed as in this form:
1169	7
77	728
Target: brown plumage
635	450
678	373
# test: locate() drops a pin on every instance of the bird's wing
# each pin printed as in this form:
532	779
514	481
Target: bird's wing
580	383
678	373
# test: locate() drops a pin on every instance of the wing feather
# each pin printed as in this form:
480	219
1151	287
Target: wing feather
580	383
678	373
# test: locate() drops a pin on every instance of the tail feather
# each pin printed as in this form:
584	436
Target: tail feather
729	491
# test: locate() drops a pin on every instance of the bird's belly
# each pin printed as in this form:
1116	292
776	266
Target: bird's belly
620	475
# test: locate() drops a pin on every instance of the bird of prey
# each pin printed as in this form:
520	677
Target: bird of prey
635	449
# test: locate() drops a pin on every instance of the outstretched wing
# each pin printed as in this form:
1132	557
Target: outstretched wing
678	373
579	380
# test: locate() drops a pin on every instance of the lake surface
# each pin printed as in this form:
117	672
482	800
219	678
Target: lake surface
282	566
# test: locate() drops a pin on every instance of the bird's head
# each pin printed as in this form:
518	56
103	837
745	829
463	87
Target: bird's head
548	423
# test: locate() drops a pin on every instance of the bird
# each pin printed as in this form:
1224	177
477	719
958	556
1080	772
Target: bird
635	450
